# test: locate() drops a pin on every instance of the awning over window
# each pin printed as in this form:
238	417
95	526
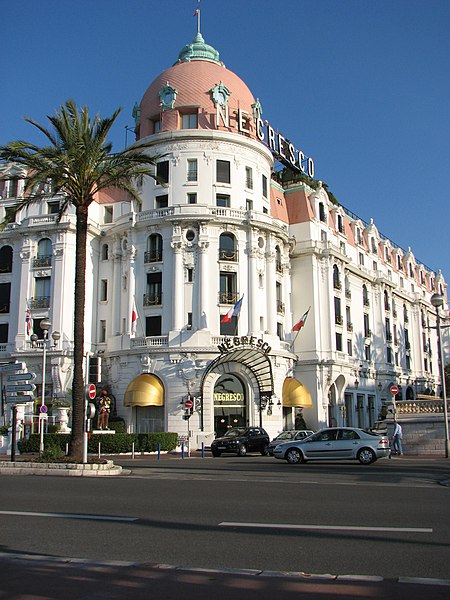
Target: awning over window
145	390
296	394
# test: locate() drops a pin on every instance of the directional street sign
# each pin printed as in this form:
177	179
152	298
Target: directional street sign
22	377
19	399
11	367
25	387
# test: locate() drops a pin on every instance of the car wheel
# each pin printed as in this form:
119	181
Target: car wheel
366	456
242	450
265	450
294	456
215	452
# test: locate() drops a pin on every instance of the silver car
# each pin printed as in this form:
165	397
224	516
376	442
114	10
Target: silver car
287	436
335	443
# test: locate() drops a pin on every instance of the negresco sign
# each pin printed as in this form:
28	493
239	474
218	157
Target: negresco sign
280	146
245	340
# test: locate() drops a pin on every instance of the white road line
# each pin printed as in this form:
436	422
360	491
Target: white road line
326	527
17	513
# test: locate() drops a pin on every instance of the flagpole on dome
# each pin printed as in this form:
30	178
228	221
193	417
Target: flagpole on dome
197	14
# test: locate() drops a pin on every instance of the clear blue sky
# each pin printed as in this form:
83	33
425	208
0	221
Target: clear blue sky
363	86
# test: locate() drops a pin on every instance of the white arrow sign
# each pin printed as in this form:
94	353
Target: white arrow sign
19	399
22	377
11	367
25	387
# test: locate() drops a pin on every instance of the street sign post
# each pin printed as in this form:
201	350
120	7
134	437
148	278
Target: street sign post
22	399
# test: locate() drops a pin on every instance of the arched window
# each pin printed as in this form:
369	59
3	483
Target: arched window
105	252
227	247
365	296
44	253
278	258
154	251
322	212
336	278
6	259
386	301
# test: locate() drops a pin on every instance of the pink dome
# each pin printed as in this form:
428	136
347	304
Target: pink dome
193	78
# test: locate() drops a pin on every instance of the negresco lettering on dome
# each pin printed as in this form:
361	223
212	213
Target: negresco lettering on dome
278	144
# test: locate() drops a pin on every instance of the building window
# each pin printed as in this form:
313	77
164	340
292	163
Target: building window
156	126
162	171
337	311
367	352
322	213
249	178
154	252
228	293
361	259
339	342
153	326
189	320
5	297
223	171
53	208
249	204
190	274
365	296
44	254
223	200
42	293
153	296
103	290
105	252
192	172
6	259
4	327
108	215
264	186
279	298
336	278
367	331
162	201
192	198
227	247
189	121
389	354
280	332
349	347
102	332
265	210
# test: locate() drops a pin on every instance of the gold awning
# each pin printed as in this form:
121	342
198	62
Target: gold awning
296	394
145	390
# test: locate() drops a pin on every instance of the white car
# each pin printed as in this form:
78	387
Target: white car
335	443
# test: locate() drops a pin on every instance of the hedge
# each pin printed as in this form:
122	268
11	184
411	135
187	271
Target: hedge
110	444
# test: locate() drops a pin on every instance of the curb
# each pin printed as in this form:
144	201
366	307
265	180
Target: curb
61	469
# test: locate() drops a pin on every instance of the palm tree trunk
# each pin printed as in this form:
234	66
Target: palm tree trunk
78	386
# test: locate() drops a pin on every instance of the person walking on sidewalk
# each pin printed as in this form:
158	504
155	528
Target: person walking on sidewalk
397	437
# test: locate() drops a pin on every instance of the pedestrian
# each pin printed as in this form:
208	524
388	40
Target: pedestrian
397	437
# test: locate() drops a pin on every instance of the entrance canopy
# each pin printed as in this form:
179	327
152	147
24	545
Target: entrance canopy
145	390
295	394
257	361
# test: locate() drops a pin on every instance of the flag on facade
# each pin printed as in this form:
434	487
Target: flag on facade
302	321
28	321
233	312
133	318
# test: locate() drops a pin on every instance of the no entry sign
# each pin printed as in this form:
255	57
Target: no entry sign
92	391
394	390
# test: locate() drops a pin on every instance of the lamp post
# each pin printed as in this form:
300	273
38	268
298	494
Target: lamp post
437	300
45	325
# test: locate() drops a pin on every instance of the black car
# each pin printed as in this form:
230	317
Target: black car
240	441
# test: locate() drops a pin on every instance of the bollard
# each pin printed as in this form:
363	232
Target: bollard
182	450
159	450
132	451
67	449
203	449
99	444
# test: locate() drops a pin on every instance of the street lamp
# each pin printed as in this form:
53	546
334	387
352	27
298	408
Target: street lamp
45	325
437	300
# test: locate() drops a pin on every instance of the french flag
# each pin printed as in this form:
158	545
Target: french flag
233	312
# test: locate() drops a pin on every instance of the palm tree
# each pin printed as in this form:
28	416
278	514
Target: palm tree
79	163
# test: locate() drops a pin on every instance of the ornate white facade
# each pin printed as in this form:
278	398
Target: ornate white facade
217	227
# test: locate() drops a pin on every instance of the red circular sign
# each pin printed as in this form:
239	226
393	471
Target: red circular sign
188	404
394	390
92	391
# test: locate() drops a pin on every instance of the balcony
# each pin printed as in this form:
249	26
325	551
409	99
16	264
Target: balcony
151	256
349	326
39	302
368	333
339	320
337	285
154	299
366	302
388	338
41	262
348	293
280	307
228	255
4	307
228	297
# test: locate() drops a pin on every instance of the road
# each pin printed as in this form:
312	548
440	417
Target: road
389	520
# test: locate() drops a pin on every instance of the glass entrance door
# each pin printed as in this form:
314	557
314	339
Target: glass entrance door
230	405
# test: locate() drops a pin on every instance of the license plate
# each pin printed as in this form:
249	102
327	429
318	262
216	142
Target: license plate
221	447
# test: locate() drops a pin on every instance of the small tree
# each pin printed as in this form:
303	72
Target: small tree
80	163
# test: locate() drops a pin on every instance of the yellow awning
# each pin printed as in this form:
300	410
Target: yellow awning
145	390
296	394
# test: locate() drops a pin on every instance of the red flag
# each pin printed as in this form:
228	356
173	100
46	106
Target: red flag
133	319
28	321
302	321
